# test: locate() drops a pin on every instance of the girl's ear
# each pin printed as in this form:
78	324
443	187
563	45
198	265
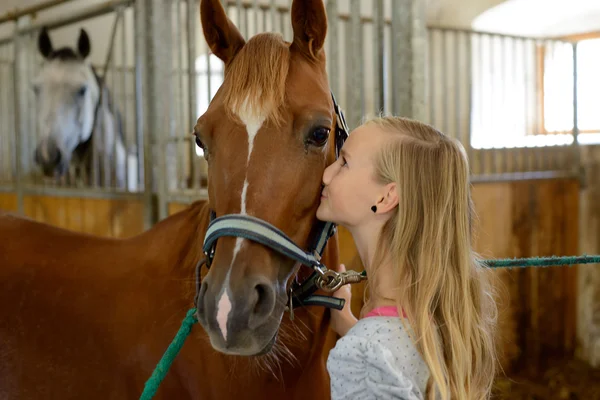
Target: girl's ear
389	199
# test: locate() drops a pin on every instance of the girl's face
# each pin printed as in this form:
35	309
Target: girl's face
350	186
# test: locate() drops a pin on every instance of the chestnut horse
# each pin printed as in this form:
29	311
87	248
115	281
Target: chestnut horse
84	317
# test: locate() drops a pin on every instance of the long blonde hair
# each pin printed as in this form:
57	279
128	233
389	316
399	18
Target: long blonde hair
442	285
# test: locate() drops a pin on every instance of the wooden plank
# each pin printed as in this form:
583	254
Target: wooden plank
174	208
8	202
103	217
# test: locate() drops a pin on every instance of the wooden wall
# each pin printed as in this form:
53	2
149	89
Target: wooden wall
515	219
103	217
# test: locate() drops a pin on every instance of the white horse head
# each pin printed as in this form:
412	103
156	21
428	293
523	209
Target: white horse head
72	112
67	91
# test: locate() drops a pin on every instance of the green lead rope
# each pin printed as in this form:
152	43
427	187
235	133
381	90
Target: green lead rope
165	362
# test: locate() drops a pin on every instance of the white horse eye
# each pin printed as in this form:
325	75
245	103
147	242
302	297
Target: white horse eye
81	91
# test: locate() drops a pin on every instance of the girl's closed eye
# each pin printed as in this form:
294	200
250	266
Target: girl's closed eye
344	162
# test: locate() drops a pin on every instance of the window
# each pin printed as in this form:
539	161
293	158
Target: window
522	92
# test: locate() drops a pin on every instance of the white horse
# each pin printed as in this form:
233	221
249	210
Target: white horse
79	134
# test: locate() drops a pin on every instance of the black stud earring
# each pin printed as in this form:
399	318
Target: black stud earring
374	208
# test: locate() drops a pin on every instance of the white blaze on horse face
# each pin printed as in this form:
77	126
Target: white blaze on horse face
253	121
224	307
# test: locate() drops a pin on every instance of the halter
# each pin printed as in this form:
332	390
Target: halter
260	231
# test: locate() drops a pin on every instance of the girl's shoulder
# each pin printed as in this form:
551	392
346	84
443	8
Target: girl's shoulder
378	349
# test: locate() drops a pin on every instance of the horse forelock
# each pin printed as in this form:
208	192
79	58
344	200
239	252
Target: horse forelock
255	81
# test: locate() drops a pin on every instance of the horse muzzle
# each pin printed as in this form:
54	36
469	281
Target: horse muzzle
243	317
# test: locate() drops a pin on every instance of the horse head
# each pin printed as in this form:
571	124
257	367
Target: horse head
67	93
267	135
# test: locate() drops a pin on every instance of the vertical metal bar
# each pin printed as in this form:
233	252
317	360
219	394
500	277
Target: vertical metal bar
145	88
191	15
353	66
256	12
124	89
273	14
398	63
483	123
469	79
240	17
333	51
179	144
32	126
112	105
575	145
493	115
457	88
444	83
282	24
433	34
378	49
18	68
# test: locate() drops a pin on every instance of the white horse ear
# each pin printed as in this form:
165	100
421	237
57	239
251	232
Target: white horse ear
83	44
44	43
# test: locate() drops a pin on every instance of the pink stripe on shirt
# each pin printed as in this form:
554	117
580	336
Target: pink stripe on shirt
385	311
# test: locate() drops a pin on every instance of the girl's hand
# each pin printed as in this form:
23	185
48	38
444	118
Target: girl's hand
342	320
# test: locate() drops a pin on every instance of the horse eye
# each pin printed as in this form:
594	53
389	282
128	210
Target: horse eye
319	136
81	91
36	88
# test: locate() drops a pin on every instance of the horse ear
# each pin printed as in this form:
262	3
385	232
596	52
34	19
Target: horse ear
222	36
44	43
309	22
83	44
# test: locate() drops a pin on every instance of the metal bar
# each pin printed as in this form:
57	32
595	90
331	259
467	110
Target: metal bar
179	148
124	92
356	73
444	83
91	12
483	125
145	162
493	115
378	52
469	79
18	13
273	13
457	89
191	15
479	32
109	65
529	175
255	12
18	69
333	51
32	134
432	80
186	196
575	144
241	18
103	193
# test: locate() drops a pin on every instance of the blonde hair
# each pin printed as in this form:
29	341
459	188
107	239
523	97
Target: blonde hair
442	284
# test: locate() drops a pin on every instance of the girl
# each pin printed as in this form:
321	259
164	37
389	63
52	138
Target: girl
401	188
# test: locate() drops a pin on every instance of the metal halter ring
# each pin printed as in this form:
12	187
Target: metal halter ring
330	281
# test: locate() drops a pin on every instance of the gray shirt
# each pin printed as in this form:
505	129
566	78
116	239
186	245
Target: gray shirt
377	359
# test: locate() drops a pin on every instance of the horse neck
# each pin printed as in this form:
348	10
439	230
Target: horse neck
174	245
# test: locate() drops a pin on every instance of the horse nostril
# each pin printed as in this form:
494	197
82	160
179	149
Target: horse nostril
263	307
57	157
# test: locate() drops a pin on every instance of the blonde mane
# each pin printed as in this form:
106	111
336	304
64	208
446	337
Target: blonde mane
256	77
